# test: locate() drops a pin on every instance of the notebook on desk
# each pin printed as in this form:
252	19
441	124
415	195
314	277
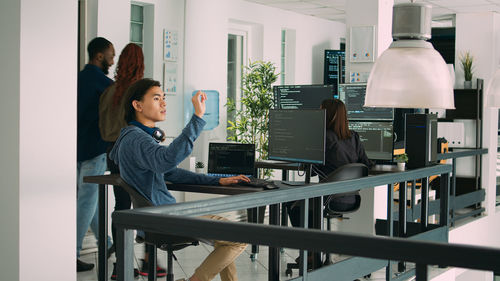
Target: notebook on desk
231	159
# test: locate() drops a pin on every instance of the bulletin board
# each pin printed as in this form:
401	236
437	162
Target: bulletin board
362	44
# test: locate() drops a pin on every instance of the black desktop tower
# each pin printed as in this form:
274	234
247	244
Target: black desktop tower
421	139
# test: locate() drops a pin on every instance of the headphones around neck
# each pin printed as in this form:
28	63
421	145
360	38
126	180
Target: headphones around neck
157	134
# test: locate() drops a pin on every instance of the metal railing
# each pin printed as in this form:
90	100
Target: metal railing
179	219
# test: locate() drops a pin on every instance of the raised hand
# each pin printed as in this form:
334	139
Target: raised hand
198	101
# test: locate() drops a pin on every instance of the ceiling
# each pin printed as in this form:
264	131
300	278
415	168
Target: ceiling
335	9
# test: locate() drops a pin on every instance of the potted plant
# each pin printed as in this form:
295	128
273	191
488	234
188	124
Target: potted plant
199	166
466	59
251	123
401	159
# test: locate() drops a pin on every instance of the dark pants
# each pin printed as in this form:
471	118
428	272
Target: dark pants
122	199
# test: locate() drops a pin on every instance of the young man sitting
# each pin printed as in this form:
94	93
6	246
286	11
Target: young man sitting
146	164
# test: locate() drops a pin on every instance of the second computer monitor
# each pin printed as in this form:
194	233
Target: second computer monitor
376	137
353	95
302	96
297	135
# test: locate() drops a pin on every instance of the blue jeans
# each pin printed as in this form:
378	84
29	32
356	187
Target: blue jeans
87	211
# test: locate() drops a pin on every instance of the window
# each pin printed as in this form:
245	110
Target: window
236	53
287	74
137	25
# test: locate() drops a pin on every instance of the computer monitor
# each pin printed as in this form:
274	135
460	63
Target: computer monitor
231	158
377	139
297	135
301	96
353	95
334	68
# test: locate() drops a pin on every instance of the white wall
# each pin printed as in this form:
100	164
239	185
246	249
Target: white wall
205	58
39	66
483	46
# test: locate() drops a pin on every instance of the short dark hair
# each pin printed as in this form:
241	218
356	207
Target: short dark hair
97	45
135	92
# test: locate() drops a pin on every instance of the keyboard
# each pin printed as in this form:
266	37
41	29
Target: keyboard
224	175
255	182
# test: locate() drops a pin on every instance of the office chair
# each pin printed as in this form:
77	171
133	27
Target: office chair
337	205
169	243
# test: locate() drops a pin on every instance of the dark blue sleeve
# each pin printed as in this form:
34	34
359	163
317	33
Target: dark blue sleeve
160	158
182	176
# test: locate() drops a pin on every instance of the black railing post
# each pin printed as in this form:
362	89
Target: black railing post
424	199
390	226
304	222
421	272
402	218
124	254
453	190
274	265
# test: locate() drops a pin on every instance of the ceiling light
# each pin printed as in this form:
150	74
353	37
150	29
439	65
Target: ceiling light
410	73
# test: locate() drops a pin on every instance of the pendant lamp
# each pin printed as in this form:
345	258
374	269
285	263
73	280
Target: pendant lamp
410	73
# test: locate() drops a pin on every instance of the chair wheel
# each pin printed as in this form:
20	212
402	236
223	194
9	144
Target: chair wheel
288	272
368	275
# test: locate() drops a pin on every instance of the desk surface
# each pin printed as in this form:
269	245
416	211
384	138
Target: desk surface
213	189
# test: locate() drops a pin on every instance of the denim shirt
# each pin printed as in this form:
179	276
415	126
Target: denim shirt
146	164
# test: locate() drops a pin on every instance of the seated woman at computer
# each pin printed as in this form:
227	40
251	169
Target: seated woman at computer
343	146
145	164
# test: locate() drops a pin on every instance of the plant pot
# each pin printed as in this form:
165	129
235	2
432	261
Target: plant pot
401	166
467	84
199	170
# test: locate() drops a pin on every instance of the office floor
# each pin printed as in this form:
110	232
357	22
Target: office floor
190	257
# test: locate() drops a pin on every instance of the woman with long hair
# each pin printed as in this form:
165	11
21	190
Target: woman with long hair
343	146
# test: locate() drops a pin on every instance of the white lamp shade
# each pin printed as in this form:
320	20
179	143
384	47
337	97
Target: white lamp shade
410	77
493	94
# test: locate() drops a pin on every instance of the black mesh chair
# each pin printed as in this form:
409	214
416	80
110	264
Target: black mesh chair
165	242
337	205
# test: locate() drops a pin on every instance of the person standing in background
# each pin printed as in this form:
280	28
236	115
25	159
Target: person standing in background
91	148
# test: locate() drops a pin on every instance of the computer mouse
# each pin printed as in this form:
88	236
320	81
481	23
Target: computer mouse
270	186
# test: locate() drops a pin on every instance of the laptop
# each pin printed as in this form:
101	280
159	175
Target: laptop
231	159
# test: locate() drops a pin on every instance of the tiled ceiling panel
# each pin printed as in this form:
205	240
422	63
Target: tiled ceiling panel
335	9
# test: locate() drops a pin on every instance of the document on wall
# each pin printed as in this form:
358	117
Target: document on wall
170	78
170	44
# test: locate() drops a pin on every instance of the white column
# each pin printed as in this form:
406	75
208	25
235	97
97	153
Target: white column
38	154
379	14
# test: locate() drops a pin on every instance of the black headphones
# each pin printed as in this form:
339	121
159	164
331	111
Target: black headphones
157	134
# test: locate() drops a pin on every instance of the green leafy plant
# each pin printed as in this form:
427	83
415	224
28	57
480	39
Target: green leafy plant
402	158
251	123
466	59
199	165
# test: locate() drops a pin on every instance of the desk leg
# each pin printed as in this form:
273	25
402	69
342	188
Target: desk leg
274	253
103	233
390	226
317	223
124	254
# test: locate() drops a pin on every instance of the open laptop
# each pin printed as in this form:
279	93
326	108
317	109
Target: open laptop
231	159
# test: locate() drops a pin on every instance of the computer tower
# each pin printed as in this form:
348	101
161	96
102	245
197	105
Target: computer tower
421	139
